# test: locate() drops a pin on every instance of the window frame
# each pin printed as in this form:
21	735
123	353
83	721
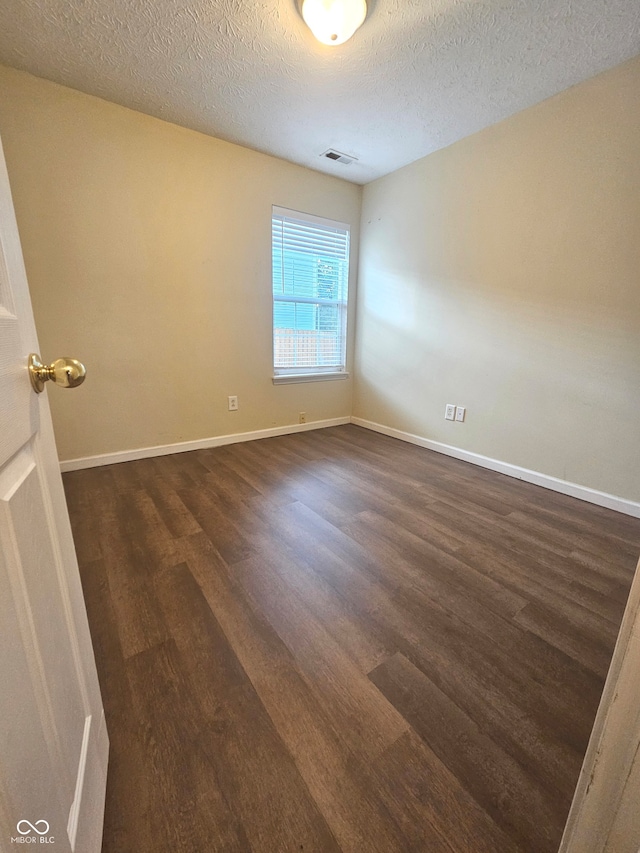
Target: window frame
312	373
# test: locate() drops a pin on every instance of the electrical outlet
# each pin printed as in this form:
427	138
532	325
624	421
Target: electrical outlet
302	418
460	413
233	404
450	412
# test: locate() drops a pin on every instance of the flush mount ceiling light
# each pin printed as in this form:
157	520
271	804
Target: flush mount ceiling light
333	21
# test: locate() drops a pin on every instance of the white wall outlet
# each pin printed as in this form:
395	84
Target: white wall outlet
302	418
233	404
460	413
450	411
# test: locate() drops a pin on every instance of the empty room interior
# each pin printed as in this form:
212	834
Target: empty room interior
353	478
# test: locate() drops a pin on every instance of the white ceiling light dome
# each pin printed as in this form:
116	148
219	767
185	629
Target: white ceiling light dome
333	21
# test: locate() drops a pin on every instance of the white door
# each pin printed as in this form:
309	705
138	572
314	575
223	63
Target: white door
53	741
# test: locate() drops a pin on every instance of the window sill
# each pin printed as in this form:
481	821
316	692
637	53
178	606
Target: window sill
293	378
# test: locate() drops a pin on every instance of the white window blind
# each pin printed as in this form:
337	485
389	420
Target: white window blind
310	263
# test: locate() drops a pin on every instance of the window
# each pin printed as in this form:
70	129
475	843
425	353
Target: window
310	263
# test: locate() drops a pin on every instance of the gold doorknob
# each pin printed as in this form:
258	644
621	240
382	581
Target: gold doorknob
65	372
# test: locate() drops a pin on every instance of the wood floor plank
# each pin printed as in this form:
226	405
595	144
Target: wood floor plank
532	816
248	475
175	516
532	666
222	480
555	585
531	654
446	576
348	695
337	641
552	627
140	622
353	635
454	664
128	780
145	529
185	805
234	734
217	524
619	573
434	581
519	552
419	790
80	503
322	752
556	528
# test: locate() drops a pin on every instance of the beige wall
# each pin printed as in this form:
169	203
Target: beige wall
503	274
148	251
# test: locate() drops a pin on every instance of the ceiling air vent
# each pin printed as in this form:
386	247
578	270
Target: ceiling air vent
338	157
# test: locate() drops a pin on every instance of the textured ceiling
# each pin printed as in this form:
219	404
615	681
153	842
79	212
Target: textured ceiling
418	75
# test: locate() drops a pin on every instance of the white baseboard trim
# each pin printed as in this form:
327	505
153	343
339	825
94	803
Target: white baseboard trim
198	444
546	481
572	489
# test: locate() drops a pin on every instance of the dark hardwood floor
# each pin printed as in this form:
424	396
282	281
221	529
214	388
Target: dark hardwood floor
335	641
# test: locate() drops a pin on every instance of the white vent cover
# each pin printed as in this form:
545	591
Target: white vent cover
338	157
